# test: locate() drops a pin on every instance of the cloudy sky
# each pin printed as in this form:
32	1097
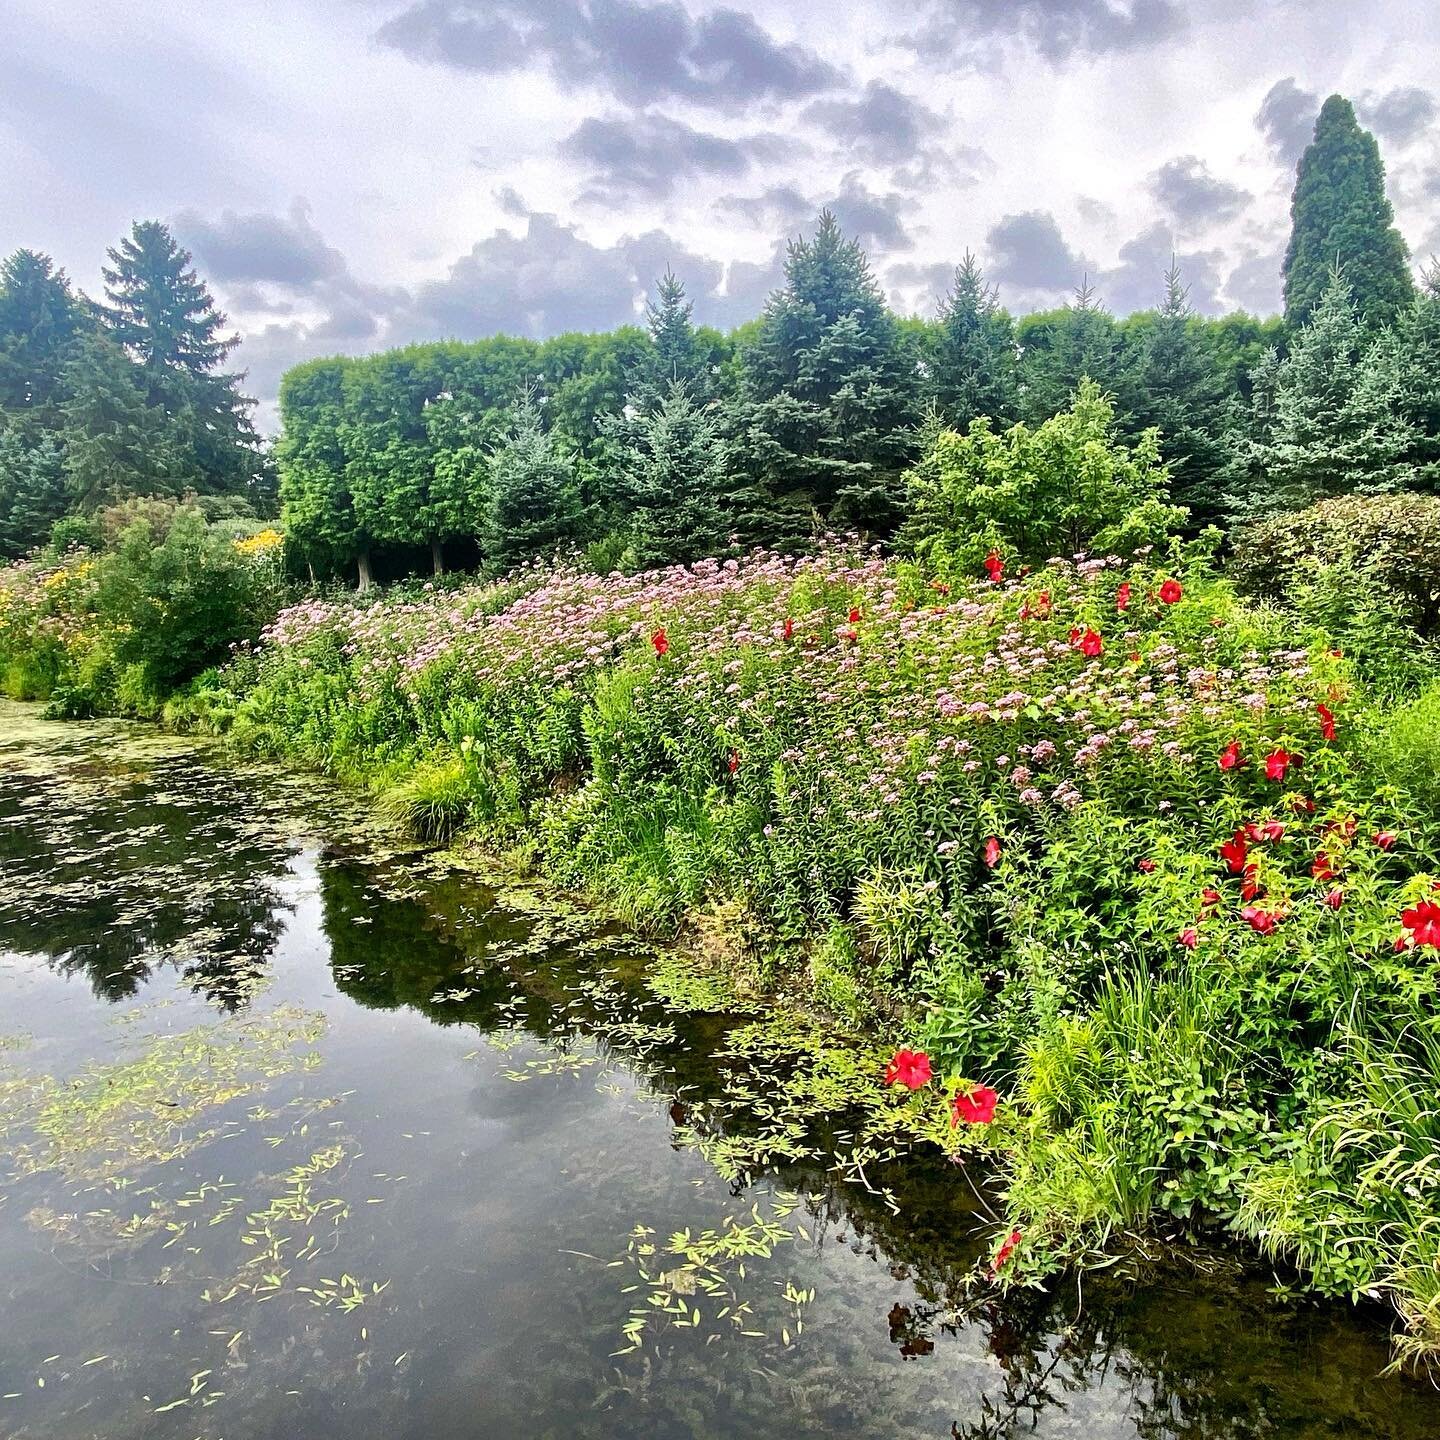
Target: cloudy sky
353	174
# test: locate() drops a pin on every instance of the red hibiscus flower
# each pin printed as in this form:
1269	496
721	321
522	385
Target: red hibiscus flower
1261	921
975	1108
1277	762
1335	898
1189	937
1321	868
1209	898
1327	721
1234	852
1075	633
1252	887
854	614
1145	867
660	641
1272	830
1385	839
732	763
789	627
995	567
910	1068
1230	756
992	852
1091	644
1423	923
1006	1250
1170	592
1122	597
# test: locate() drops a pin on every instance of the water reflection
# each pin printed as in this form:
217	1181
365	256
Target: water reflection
496	1101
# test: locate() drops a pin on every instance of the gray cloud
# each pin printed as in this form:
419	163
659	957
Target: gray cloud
1138	281
645	156
875	218
641	52
881	125
778	207
1027	251
1286	118
261	247
1398	115
1056	29
1191	196
1254	283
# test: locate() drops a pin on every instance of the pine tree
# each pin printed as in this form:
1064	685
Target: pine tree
974	363
1184	397
1079	342
678	353
1416	343
671	474
115	444
534	505
826	419
33	490
162	315
1326	422
1340	216
39	321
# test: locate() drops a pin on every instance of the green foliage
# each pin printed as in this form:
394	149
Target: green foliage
1341	216
1062	348
534	503
974	359
1067	486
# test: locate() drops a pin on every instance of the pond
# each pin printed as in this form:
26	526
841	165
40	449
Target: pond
305	1133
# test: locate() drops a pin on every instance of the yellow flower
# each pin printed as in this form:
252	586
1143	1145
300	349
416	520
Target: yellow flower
261	542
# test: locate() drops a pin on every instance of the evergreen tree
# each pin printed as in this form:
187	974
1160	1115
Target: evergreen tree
1340	216
1079	342
1184	396
115	444
534	504
974	362
671	468
163	316
826	419
1325	422
39	321
1415	344
33	490
679	355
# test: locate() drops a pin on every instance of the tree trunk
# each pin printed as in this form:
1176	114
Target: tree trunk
362	566
437	554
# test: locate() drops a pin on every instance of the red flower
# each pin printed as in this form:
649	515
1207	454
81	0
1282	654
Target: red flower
1321	868
1327	721
1075	633
1145	867
1170	592
1423	923
992	852
1252	887
1122	597
910	1068
1189	937
660	641
995	567
1230	756
789	627
976	1108
1209	898
1385	839
1277	762
1234	852
1272	830
854	614
1301	804
732	764
1007	1248
1091	644
1336	898
1262	922
851	636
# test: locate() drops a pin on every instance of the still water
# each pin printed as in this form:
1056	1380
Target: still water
303	1135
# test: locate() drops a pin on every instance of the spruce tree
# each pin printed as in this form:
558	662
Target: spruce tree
534	503
1182	395
1416	346
163	316
1340	216
974	362
678	352
39	321
671	474
826	419
1079	342
33	490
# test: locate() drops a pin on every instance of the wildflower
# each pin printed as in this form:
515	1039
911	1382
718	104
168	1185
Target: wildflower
1170	592
854	614
789	627
995	567
1091	644
1122	597
1385	839
1007	1248
1423	923
660	641
1209	898
1277	762
910	1068
1189	937
1230	756
1262	922
977	1107
732	763
1327	721
1251	886
1321	868
1335	898
1145	867
1234	852
992	852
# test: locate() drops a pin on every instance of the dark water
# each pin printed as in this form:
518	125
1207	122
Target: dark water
303	1137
